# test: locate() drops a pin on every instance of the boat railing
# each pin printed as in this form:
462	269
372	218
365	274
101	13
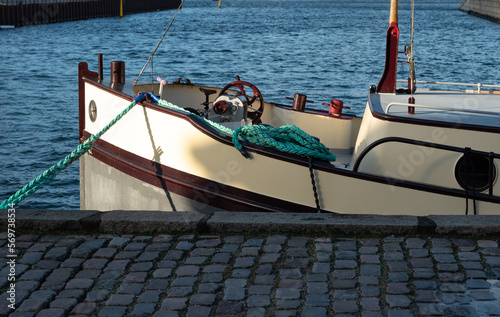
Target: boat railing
490	155
402	104
478	85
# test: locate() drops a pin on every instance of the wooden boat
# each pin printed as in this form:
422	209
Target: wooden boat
414	151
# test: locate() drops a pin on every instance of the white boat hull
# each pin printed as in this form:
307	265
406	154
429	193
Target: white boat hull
160	159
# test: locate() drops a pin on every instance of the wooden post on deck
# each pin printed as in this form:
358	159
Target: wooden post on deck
393	18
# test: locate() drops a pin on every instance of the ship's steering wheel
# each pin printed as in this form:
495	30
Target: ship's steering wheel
255	114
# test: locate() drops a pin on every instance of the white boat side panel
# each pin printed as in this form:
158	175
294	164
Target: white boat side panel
416	163
355	196
105	188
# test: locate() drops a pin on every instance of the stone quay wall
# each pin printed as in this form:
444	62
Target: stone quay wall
489	9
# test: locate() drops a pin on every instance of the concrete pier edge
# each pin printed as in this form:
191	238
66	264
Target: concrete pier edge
133	222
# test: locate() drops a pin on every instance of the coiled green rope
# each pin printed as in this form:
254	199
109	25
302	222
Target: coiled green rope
52	172
288	138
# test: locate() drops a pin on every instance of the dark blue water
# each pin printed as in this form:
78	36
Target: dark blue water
321	48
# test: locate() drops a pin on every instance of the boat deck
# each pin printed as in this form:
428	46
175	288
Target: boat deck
482	109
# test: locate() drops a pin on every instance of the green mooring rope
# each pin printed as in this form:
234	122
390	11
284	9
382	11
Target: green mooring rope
217	126
52	172
288	138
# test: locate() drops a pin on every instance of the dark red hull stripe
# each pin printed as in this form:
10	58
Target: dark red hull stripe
188	185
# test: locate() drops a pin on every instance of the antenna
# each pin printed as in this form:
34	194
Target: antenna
411	60
150	59
411	63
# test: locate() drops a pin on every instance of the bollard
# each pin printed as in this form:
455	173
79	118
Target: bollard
118	72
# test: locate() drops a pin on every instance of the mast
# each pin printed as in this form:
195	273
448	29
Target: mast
387	83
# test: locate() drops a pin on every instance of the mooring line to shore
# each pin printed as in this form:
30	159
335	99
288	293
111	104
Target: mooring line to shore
53	171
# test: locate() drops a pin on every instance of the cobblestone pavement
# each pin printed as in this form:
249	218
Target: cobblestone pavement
242	275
